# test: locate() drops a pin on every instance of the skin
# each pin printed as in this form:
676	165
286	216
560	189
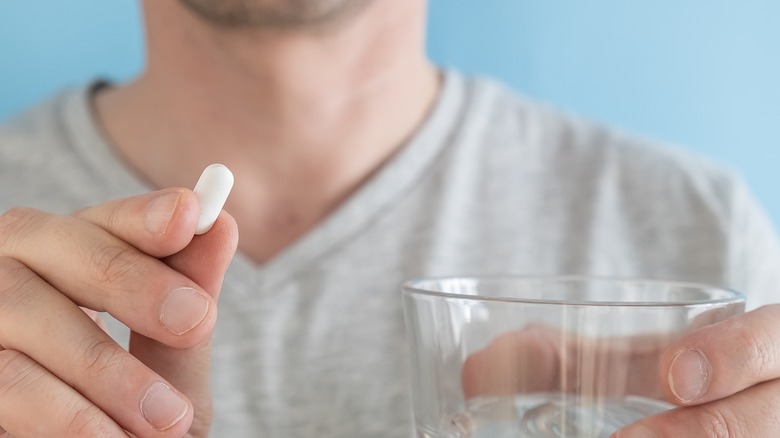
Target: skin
303	107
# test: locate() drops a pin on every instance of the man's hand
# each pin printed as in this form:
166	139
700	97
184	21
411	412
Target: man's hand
60	373
727	378
542	359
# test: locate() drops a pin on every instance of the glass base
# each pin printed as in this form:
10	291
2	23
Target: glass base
545	416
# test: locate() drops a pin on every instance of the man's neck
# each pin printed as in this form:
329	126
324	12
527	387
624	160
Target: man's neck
302	118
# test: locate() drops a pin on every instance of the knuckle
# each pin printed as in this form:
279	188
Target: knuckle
89	421
15	278
17	223
721	423
100	356
761	354
115	265
114	218
17	372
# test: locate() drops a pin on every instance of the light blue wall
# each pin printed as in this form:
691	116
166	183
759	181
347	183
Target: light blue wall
703	73
46	45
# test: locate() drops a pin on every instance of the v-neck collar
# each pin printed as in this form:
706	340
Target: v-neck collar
397	176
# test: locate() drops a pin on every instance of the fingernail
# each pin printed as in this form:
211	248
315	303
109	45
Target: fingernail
689	375
162	407
184	309
636	431
160	211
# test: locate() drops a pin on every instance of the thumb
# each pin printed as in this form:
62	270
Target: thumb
204	261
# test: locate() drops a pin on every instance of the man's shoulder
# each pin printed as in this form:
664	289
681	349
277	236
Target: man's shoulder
36	133
586	151
41	163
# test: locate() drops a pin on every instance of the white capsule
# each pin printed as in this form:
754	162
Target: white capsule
212	191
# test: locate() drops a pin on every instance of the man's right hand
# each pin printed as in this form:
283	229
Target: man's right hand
60	373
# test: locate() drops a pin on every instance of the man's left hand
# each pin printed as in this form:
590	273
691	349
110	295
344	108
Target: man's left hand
725	377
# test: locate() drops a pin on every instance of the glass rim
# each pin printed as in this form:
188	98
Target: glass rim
413	287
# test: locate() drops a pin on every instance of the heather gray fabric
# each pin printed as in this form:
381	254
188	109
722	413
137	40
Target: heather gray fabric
312	344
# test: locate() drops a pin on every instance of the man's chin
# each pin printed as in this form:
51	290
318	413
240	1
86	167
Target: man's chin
274	13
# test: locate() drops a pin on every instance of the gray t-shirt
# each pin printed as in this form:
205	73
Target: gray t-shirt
312	343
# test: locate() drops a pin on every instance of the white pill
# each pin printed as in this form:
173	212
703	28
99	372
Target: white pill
212	191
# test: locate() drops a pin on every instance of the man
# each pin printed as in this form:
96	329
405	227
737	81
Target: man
357	165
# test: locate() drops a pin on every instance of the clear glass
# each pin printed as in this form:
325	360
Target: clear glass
546	357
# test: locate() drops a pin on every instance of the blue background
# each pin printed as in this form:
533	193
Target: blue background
700	73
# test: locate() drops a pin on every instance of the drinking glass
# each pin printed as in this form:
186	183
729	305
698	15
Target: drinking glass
546	356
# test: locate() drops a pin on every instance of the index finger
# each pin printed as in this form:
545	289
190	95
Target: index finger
199	208
160	223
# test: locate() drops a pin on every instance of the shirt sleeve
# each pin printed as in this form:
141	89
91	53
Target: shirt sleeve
755	250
